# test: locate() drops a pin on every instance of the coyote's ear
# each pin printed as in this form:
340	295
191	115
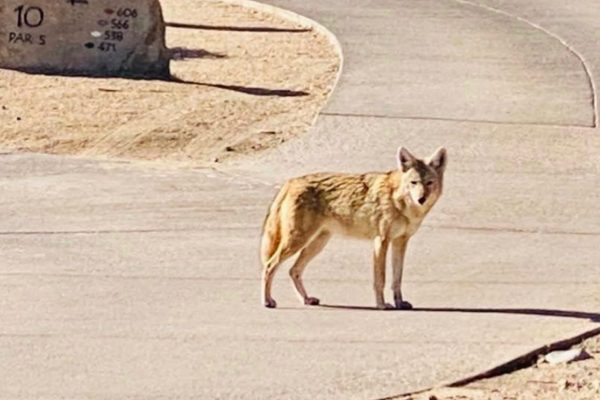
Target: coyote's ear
405	159
439	159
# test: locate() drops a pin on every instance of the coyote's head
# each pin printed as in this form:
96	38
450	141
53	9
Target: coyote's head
422	180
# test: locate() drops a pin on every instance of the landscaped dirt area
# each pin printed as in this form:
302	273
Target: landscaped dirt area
579	380
245	80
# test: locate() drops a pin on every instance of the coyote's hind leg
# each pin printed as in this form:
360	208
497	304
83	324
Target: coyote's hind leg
315	246
288	247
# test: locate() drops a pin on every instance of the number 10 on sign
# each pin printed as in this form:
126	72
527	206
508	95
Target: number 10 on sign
31	17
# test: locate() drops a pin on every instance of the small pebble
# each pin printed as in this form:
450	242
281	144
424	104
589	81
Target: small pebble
564	384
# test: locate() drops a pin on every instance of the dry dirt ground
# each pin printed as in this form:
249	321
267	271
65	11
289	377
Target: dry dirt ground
245	90
579	380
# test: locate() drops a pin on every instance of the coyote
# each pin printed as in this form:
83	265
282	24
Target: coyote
386	207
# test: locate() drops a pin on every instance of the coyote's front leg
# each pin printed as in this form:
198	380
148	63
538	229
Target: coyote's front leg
379	255
398	251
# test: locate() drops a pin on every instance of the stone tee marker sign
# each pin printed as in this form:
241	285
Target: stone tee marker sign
84	37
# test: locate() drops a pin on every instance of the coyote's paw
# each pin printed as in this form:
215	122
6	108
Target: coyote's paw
270	303
403	305
385	306
311	301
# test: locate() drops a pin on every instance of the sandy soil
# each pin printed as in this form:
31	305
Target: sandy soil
575	381
271	85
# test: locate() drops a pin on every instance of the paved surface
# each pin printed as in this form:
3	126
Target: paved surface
123	281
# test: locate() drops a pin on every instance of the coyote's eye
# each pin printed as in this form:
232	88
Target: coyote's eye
413	182
429	183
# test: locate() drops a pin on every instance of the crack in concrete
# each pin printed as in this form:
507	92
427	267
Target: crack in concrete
563	42
195	337
512	230
223	279
203	228
95	232
457	120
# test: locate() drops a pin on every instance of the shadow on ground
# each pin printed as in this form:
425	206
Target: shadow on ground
184	53
260	29
252	90
593	317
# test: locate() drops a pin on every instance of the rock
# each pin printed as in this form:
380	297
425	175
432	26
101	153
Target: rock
557	357
84	37
563	384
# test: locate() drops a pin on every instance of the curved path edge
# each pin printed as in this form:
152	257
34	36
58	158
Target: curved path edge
295	17
570	49
524	361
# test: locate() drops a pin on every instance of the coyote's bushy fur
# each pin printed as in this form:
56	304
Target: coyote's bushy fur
387	208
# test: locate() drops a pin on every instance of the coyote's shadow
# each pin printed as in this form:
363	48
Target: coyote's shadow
594	317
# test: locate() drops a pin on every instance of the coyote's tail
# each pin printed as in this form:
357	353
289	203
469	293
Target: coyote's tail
271	237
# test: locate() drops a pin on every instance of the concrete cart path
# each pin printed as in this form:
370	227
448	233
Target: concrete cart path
123	281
